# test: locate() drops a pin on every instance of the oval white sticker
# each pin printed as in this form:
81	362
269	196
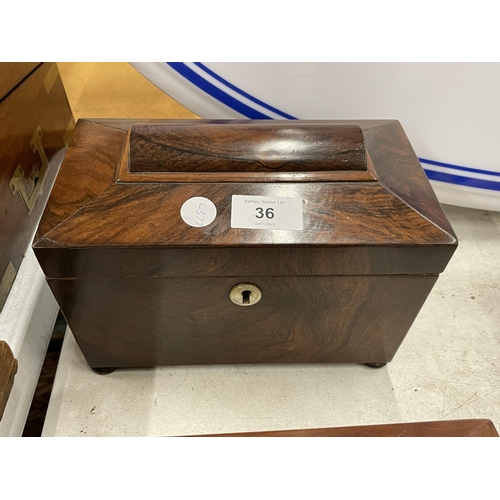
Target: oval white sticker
198	211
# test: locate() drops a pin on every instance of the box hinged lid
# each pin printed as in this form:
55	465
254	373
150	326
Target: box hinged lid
367	206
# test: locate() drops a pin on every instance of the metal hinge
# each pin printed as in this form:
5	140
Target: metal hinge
37	176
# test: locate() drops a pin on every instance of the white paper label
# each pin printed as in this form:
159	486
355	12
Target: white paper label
266	212
198	211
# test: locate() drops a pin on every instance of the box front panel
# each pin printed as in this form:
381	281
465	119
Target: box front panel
167	321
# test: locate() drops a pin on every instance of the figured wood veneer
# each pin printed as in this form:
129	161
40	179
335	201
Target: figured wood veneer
139	287
169	321
248	146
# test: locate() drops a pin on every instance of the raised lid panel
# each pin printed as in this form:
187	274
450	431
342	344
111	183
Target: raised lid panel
245	146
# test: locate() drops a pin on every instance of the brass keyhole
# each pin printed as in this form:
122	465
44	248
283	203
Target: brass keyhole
245	294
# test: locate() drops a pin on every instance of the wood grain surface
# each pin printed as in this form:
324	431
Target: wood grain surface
250	146
400	172
22	111
8	370
443	428
13	73
169	321
139	287
80	178
149	215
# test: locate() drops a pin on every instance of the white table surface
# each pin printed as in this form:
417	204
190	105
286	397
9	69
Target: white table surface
448	367
26	324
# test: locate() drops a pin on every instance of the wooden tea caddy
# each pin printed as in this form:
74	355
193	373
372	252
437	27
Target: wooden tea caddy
141	287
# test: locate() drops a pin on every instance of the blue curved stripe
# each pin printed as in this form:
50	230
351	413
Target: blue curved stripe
457	167
243	93
217	93
462	181
249	112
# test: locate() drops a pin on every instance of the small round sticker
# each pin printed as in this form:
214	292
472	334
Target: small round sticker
198	211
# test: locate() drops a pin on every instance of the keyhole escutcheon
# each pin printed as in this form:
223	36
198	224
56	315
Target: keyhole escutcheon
245	294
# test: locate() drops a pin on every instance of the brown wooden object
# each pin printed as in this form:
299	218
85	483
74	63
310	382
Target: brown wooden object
442	428
8	369
11	74
140	287
246	146
34	118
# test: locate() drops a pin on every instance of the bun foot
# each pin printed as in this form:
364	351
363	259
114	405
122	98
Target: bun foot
103	371
375	365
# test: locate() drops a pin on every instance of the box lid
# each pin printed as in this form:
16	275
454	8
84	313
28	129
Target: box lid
115	210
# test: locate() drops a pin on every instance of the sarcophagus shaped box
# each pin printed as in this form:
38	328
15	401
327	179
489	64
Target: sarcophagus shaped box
196	242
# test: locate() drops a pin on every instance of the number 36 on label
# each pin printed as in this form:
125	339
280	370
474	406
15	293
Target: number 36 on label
269	213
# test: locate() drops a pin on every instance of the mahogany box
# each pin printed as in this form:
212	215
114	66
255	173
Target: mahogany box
34	121
198	242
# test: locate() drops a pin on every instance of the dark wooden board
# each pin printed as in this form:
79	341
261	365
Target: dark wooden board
8	369
442	428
